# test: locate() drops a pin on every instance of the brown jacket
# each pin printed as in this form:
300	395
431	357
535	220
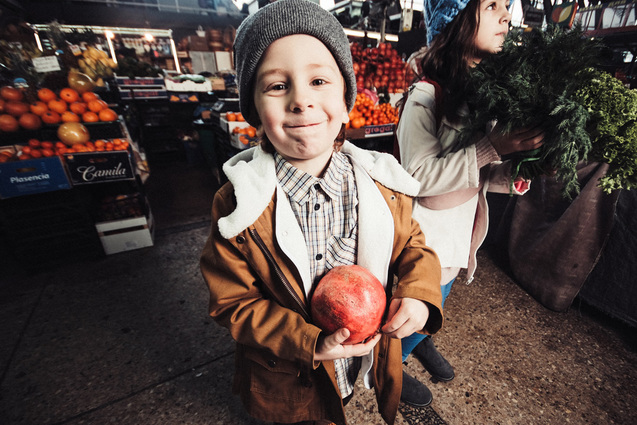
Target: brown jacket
257	292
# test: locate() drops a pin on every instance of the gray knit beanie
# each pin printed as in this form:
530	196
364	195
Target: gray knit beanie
278	20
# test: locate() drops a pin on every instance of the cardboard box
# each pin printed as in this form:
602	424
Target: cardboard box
99	167
129	94
126	235
139	81
229	126
237	142
188	86
19	178
198	44
370	131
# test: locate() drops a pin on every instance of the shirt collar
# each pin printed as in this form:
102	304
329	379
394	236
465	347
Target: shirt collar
298	184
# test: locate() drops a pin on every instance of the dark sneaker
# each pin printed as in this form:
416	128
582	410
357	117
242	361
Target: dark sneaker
415	393
432	360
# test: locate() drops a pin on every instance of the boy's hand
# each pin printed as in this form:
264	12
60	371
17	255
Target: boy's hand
330	347
406	316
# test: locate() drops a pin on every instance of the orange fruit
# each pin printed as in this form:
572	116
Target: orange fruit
90	116
69	95
68	116
38	107
97	105
87	96
58	105
240	117
78	107
231	116
51	117
107	115
46	95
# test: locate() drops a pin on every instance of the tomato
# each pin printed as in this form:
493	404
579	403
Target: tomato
11	93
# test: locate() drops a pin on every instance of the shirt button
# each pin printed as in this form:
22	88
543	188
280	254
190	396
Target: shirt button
317	186
317	207
319	256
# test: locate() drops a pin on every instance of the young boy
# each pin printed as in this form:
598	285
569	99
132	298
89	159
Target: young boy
299	204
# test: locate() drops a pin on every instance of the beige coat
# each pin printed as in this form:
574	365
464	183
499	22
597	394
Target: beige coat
451	205
255	267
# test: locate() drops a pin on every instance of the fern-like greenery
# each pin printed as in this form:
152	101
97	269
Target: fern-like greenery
612	127
532	83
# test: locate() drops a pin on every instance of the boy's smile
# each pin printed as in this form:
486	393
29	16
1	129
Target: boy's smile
299	95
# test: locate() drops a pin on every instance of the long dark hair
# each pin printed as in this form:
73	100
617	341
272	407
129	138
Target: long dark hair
447	58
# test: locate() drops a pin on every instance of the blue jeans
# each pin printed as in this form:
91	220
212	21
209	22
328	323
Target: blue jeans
410	342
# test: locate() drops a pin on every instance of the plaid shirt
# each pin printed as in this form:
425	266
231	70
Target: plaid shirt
326	210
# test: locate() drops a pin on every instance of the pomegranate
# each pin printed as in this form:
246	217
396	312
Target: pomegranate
349	297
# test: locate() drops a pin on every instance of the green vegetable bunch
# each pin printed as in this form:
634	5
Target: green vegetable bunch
532	83
612	127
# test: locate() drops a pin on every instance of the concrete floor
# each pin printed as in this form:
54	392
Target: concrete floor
126	339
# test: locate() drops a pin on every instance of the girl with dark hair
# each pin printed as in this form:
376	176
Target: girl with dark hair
451	205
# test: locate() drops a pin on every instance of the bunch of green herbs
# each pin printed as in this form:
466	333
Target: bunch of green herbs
532	83
612	127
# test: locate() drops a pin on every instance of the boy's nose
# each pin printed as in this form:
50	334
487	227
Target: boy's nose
299	100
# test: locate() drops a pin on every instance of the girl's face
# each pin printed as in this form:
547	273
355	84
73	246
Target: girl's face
299	94
493	18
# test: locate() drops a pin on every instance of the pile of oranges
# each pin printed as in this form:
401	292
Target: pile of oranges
234	116
245	134
71	106
366	112
16	112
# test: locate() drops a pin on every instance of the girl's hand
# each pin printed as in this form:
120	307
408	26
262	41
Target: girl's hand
516	141
330	347
406	316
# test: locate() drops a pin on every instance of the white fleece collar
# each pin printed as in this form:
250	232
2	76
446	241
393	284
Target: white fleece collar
253	175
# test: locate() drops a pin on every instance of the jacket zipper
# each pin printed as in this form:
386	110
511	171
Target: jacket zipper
277	269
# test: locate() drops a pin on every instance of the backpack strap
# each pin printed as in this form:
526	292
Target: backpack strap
437	112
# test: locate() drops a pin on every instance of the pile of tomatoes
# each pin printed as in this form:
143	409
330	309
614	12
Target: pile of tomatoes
366	112
50	108
35	149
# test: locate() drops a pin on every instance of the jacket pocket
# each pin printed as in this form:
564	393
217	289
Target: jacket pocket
277	379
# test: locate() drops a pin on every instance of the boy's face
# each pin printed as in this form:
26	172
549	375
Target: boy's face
299	94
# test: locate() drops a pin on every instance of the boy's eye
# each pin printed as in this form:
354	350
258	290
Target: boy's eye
318	82
278	86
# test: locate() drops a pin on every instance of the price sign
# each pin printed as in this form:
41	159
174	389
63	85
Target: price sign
46	64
